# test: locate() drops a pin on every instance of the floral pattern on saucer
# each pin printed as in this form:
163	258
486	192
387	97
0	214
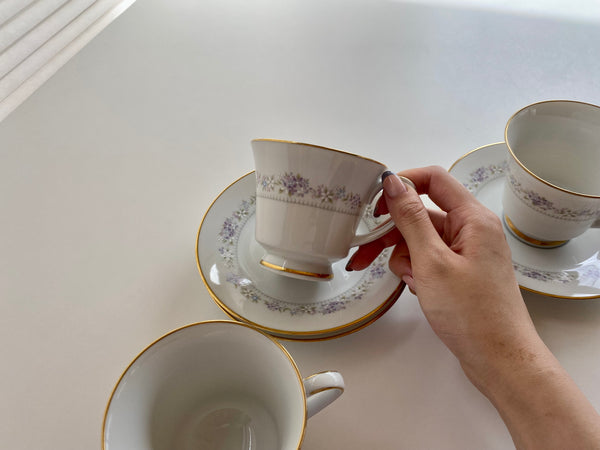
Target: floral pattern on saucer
483	175
571	271
296	188
229	238
545	275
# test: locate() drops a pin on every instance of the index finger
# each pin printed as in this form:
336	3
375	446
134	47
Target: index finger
441	187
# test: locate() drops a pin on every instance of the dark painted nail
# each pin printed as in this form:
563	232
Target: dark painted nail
386	174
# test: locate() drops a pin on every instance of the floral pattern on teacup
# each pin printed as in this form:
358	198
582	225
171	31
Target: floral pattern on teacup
229	237
295	188
479	178
541	204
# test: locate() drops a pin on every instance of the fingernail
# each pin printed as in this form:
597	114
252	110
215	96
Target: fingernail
392	185
349	264
376	211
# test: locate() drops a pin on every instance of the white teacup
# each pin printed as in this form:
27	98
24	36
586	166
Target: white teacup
309	202
215	384
552	191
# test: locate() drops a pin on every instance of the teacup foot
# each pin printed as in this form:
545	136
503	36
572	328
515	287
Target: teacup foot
510	226
301	270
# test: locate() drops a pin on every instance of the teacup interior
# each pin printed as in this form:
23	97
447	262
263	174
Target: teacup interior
560	143
211	385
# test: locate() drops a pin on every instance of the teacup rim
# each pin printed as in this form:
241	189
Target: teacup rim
518	161
204	322
286	141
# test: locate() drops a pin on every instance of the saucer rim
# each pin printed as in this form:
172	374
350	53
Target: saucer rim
304	336
535	291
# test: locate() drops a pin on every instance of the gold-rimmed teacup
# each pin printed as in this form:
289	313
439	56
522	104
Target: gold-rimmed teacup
215	384
309	203
552	190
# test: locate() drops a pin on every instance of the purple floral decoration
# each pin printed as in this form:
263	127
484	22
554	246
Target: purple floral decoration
483	175
541	204
229	236
295	187
545	275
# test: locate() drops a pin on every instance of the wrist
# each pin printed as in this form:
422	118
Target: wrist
536	398
504	364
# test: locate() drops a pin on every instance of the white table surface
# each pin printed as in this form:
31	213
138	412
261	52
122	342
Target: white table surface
107	170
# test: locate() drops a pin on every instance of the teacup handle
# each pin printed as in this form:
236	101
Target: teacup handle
382	229
321	390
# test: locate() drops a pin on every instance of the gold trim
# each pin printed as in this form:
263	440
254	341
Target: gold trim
534	291
316	374
271	338
320	276
530	240
320	335
331	388
523	166
284	141
545	294
472	151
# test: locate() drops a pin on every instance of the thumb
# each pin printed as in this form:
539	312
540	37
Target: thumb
409	214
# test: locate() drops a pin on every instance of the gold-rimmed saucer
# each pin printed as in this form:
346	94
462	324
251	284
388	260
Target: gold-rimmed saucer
228	259
571	271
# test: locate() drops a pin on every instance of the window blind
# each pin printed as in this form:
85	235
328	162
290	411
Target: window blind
38	36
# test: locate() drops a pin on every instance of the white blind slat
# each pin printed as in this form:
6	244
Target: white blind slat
52	32
26	20
10	8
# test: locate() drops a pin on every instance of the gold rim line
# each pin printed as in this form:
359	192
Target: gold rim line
534	291
284	141
316	374
330	388
562	297
371	317
271	338
354	326
320	276
471	152
532	241
537	177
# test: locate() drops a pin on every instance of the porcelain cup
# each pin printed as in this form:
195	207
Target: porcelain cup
215	385
552	190
309	203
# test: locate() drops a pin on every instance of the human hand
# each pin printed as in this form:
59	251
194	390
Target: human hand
458	263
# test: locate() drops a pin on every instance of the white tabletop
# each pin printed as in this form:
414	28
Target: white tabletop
108	169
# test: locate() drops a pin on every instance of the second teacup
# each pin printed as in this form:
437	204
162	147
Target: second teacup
309	202
552	191
215	385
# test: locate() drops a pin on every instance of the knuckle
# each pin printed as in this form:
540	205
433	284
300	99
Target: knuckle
410	212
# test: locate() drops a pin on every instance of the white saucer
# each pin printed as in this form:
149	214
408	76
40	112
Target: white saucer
228	259
571	271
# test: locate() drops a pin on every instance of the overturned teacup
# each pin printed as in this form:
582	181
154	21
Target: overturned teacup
215	385
309	203
552	191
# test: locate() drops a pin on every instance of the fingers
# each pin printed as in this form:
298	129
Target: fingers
441	187
410	215
367	253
